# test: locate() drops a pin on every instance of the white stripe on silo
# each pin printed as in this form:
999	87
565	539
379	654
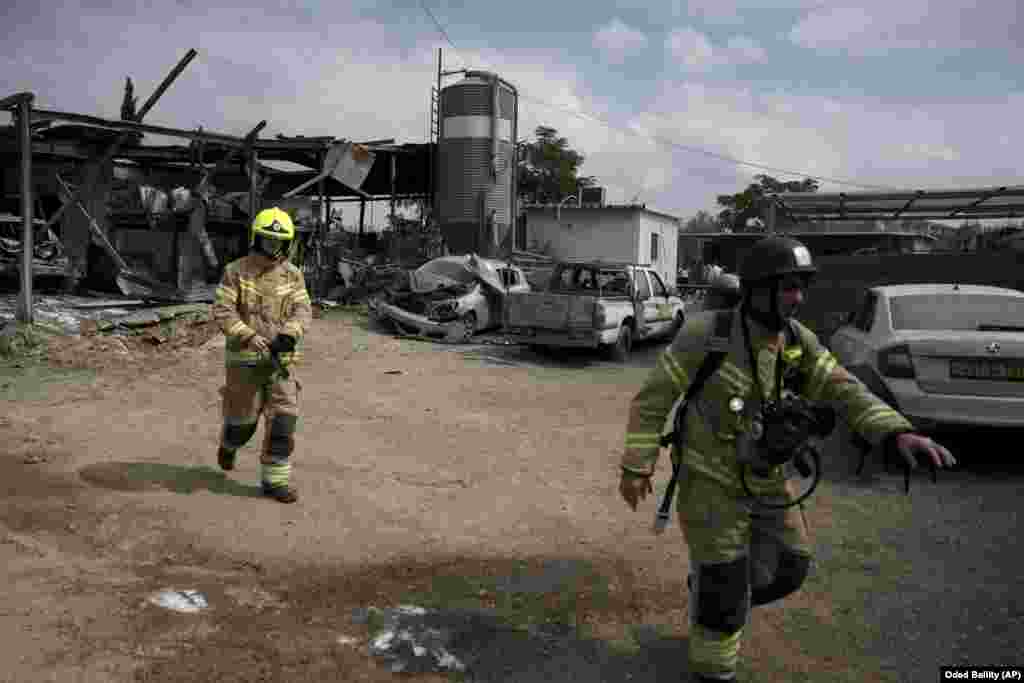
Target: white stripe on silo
476	127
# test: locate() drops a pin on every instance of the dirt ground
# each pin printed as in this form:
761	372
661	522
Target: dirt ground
427	474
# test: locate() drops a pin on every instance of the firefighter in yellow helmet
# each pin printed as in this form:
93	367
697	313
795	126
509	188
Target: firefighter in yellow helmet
743	554
264	310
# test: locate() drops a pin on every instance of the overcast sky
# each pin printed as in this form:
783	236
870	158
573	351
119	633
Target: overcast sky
907	94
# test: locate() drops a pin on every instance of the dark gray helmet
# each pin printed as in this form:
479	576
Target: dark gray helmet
775	257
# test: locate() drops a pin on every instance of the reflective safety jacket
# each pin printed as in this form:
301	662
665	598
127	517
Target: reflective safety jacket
711	428
260	296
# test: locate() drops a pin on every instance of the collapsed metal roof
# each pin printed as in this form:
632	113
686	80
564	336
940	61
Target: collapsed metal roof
977	203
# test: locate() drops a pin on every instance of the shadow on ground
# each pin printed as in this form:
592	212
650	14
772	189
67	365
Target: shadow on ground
148	476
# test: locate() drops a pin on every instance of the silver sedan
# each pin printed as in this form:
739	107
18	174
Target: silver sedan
944	355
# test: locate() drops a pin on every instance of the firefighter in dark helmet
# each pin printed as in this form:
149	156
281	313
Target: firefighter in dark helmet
742	555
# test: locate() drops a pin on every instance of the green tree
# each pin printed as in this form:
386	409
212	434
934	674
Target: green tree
549	168
703	221
753	201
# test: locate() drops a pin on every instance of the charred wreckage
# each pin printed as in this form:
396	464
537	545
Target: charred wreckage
99	210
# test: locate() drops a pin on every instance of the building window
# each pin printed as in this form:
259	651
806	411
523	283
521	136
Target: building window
654	248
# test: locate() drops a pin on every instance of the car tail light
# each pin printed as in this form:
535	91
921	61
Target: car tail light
895	362
600	317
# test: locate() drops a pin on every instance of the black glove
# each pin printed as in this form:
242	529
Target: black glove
282	343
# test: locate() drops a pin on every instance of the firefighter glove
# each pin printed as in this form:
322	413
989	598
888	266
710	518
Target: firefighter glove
283	343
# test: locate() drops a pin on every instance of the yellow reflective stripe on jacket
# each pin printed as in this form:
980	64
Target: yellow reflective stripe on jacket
239	329
647	440
279	293
674	370
225	295
823	367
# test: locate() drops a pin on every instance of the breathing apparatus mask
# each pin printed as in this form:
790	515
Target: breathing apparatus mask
271	248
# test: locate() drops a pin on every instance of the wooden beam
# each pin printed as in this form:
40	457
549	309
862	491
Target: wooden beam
23	118
41	114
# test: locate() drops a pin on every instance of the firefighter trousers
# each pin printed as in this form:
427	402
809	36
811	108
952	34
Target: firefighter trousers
740	556
250	392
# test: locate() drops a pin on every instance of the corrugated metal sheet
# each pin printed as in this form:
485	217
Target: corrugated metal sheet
474	99
465	173
466	100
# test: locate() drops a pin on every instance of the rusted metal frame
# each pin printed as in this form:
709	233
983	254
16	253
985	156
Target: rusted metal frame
858	213
978	201
796	198
910	202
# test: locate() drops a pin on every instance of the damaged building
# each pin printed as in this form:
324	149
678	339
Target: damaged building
113	211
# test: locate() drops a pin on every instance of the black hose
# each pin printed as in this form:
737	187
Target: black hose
814	484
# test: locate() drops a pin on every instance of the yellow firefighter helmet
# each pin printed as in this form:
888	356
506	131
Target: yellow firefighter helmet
273	223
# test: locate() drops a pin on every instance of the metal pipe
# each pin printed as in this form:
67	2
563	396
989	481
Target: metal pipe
168	80
494	127
515	171
24	310
252	184
796	198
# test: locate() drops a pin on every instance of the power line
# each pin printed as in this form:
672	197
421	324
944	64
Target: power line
440	28
663	140
698	150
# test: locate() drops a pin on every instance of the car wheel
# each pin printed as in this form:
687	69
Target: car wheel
619	351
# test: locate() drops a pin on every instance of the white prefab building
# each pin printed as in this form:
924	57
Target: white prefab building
630	233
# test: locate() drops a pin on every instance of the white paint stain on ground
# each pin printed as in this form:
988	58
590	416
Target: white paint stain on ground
187	601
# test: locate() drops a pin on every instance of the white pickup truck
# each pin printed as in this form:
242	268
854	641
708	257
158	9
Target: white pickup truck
595	304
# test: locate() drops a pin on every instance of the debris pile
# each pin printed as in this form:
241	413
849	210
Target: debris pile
47	251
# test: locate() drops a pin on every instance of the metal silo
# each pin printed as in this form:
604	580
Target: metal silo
476	155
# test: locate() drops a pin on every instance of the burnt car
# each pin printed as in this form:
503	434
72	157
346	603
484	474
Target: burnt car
451	297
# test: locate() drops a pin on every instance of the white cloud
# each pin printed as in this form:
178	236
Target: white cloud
746	49
691	49
874	27
617	40
367	81
868	141
694	51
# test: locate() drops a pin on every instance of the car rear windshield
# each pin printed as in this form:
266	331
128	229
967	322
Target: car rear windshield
956	311
605	280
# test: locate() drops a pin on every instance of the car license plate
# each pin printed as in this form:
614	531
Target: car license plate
986	369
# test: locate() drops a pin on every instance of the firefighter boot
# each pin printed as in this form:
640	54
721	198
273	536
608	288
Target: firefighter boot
280	493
